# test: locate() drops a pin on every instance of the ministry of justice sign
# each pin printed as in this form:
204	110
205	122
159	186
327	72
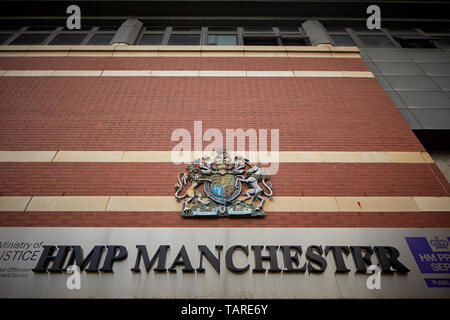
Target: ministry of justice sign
224	262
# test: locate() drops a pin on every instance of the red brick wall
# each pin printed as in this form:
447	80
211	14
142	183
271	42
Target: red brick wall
137	113
157	179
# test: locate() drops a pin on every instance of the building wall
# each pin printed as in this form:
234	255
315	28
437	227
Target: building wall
417	81
354	162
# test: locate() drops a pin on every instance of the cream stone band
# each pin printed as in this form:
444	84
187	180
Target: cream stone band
263	157
277	204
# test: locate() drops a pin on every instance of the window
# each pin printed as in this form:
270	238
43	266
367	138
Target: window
435	30
160	29
151	39
184	39
41	28
376	41
101	39
288	29
260	41
68	39
31	39
342	40
415	42
4	37
228	29
83	28
294	41
403	31
333	29
186	29
108	28
9	28
443	42
222	40
258	29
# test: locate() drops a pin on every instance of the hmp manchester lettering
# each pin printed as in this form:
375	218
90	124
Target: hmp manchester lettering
63	256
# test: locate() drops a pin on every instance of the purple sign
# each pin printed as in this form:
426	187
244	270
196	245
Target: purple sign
427	259
438	283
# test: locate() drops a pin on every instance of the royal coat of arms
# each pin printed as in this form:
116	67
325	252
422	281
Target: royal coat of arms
231	187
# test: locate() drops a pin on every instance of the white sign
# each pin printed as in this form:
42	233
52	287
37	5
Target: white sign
224	262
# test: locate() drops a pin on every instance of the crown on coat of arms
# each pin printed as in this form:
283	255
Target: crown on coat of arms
439	244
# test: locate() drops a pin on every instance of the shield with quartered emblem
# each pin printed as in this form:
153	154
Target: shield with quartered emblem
223	188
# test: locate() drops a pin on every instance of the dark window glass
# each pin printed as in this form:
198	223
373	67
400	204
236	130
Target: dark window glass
184	39
41	28
443	42
9	28
365	29
108	28
155	28
222	40
32	39
288	29
186	29
222	29
101	39
4	37
336	29
342	40
294	42
151	39
435	30
376	41
66	39
258	29
402	31
415	43
260	41
83	28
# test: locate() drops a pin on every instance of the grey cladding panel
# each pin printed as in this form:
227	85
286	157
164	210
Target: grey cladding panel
372	67
396	100
436	69
442	82
410	119
433	119
399	68
388	55
384	83
430	55
425	100
405	83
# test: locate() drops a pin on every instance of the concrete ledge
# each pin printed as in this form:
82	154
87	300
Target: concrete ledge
127	50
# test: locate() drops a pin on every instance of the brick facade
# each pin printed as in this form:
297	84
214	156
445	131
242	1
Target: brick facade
140	113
